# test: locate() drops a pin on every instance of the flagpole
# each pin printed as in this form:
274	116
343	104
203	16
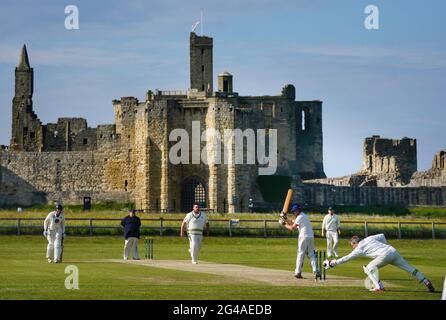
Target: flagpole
201	21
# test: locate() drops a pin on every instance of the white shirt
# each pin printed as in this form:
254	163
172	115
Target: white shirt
195	222
331	223
305	228
370	247
55	223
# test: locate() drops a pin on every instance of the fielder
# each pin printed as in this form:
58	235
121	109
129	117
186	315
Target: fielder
305	245
132	225
196	222
377	248
54	231
331	228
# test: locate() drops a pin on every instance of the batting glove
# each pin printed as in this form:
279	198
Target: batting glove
45	233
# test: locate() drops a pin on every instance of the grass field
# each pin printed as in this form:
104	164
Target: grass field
25	274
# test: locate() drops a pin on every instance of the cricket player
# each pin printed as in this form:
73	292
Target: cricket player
132	225
196	221
331	228
54	231
306	238
377	248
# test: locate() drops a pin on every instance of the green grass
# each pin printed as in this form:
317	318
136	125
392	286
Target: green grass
24	273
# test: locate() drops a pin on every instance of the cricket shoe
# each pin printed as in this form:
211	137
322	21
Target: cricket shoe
298	276
50	261
194	262
57	261
377	289
429	285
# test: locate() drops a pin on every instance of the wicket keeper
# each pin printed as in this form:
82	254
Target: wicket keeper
377	248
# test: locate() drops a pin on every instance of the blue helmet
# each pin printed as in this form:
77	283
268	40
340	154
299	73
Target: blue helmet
295	207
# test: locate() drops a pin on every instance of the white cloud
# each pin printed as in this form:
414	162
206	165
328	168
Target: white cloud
406	57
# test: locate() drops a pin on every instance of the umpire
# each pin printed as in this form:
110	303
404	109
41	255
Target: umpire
131	224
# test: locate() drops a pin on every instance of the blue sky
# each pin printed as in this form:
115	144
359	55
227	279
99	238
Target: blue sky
388	82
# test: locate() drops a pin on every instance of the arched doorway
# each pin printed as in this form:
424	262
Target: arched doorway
192	190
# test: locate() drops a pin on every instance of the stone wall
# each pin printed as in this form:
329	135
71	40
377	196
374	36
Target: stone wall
326	195
390	159
32	177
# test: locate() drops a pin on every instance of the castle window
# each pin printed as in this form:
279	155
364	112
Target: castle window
32	135
202	68
202	51
85	141
305	124
202	87
126	185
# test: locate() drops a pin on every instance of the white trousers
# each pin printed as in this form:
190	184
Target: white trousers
54	247
195	241
332	242
393	257
131	244
305	247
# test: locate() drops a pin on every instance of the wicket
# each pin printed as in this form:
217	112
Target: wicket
320	270
148	248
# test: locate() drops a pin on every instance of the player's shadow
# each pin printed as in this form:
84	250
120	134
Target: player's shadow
14	190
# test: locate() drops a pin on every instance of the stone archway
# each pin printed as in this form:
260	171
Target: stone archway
192	190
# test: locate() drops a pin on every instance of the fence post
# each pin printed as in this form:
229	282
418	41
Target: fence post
230	228
433	230
91	227
18	226
264	229
161	226
399	230
366	229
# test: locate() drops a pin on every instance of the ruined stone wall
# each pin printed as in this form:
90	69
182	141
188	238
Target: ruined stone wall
32	177
395	158
326	195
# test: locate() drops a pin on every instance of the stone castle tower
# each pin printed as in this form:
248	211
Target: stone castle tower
130	161
26	128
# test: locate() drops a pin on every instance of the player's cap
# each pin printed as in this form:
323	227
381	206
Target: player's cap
59	207
295	207
330	208
132	210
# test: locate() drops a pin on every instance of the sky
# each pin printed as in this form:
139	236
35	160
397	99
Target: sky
388	82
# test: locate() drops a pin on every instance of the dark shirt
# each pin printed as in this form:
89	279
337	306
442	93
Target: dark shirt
131	227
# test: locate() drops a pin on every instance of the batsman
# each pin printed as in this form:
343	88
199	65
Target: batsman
306	235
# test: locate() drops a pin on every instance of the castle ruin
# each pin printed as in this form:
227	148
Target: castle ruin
129	160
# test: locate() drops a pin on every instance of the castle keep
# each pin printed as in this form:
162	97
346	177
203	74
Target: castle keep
129	160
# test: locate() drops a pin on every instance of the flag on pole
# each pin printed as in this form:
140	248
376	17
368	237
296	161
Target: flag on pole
195	25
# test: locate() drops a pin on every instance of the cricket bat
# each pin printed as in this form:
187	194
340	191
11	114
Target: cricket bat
286	204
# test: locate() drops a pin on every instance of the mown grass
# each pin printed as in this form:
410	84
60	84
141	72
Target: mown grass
25	274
